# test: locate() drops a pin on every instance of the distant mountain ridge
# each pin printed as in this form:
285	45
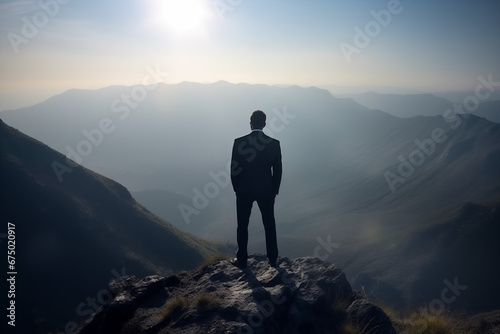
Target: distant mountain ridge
413	105
361	180
73	236
404	105
489	110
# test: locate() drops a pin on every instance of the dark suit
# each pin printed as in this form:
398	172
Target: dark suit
256	176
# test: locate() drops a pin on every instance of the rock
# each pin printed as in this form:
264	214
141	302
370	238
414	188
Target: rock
303	295
128	292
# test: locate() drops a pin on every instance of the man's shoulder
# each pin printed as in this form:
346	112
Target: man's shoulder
271	139
257	134
242	137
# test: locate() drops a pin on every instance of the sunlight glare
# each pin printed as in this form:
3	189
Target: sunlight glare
181	15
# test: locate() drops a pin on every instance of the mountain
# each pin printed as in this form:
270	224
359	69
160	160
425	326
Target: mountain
461	250
459	97
73	236
303	295
404	105
412	105
165	203
359	185
489	110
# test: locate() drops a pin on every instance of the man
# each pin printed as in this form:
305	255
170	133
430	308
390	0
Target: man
256	176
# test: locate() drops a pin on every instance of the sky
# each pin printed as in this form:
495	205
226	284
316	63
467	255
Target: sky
349	46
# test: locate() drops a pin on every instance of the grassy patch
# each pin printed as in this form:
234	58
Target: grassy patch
388	310
435	324
205	302
350	328
444	323
340	306
341	303
174	305
212	259
416	323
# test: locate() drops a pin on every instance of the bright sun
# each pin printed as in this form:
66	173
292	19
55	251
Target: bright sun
180	15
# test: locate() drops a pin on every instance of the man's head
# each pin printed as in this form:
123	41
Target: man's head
258	120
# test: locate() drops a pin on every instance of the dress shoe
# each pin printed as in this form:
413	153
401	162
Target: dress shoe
238	263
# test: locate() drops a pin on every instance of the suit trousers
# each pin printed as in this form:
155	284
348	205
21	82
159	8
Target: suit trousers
243	210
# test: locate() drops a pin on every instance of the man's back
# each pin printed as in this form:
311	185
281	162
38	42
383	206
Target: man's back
257	166
256	176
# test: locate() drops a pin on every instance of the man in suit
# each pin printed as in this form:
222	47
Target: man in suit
256	176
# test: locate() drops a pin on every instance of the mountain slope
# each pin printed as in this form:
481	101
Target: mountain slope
463	248
412	105
72	236
404	105
489	110
361	180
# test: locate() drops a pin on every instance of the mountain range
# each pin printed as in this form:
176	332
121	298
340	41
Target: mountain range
73	237
401	204
411	105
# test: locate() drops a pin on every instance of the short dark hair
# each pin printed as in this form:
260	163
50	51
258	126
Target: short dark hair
258	119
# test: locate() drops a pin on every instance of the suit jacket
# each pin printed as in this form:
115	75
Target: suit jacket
256	165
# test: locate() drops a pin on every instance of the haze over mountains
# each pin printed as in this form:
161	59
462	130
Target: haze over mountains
74	236
411	105
400	204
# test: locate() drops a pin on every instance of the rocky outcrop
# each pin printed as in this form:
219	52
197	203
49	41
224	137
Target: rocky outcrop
304	295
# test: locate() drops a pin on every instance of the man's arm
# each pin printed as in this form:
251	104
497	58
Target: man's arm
277	169
235	167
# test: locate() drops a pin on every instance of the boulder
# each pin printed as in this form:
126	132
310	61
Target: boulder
303	295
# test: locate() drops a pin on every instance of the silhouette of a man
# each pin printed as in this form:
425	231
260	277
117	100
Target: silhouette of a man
256	176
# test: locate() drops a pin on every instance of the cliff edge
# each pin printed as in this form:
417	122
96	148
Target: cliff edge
303	295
